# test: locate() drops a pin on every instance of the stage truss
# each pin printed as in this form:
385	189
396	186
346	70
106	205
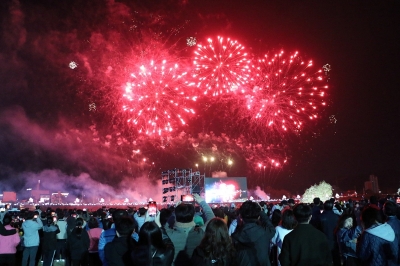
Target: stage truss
178	182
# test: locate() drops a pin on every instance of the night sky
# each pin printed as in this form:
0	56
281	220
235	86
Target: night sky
49	132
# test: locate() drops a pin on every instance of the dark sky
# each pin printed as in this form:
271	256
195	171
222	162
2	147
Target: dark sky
45	124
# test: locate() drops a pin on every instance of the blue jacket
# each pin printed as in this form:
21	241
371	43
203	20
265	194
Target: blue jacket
106	236
347	239
377	246
395	224
31	232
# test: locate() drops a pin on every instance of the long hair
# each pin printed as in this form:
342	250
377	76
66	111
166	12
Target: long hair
150	235
217	243
150	240
344	222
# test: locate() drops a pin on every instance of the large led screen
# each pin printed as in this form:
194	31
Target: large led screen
226	189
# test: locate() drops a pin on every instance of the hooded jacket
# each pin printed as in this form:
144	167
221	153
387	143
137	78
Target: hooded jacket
395	224
179	234
31	232
377	246
256	238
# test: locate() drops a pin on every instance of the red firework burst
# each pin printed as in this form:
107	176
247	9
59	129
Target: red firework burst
221	66
286	92
156	98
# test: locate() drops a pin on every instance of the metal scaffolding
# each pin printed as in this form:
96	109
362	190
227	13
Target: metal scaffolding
178	182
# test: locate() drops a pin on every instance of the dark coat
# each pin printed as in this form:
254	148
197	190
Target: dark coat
378	246
328	222
77	246
159	257
49	240
315	218
305	246
118	252
199	258
257	238
395	224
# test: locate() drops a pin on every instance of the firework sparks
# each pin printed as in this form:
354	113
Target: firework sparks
221	66
286	93
327	68
332	119
191	41
92	107
155	98
73	65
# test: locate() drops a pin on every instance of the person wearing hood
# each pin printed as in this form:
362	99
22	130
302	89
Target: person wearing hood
185	235
31	228
254	235
377	244
390	209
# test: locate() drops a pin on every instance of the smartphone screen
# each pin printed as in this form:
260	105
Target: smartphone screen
152	208
54	219
187	198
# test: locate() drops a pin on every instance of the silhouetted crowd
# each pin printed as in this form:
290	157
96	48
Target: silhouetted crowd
252	234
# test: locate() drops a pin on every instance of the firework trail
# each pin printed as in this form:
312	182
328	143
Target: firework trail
156	99
221	66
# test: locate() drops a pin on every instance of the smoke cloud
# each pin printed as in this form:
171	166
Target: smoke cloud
66	159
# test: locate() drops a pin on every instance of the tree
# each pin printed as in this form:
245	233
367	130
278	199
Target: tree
322	191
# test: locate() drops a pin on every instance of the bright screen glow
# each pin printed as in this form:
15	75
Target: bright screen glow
227	189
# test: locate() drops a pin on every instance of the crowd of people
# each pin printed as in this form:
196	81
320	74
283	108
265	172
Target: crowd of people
252	234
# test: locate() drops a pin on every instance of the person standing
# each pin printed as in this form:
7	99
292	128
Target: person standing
78	244
216	247
49	240
390	209
31	228
94	236
347	235
328	221
252	239
305	245
118	251
8	244
377	244
154	247
286	226
61	237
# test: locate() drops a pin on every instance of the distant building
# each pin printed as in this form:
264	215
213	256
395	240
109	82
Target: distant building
372	184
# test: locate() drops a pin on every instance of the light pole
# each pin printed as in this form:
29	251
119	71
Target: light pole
205	162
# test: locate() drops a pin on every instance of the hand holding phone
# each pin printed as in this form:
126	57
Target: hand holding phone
198	198
152	210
